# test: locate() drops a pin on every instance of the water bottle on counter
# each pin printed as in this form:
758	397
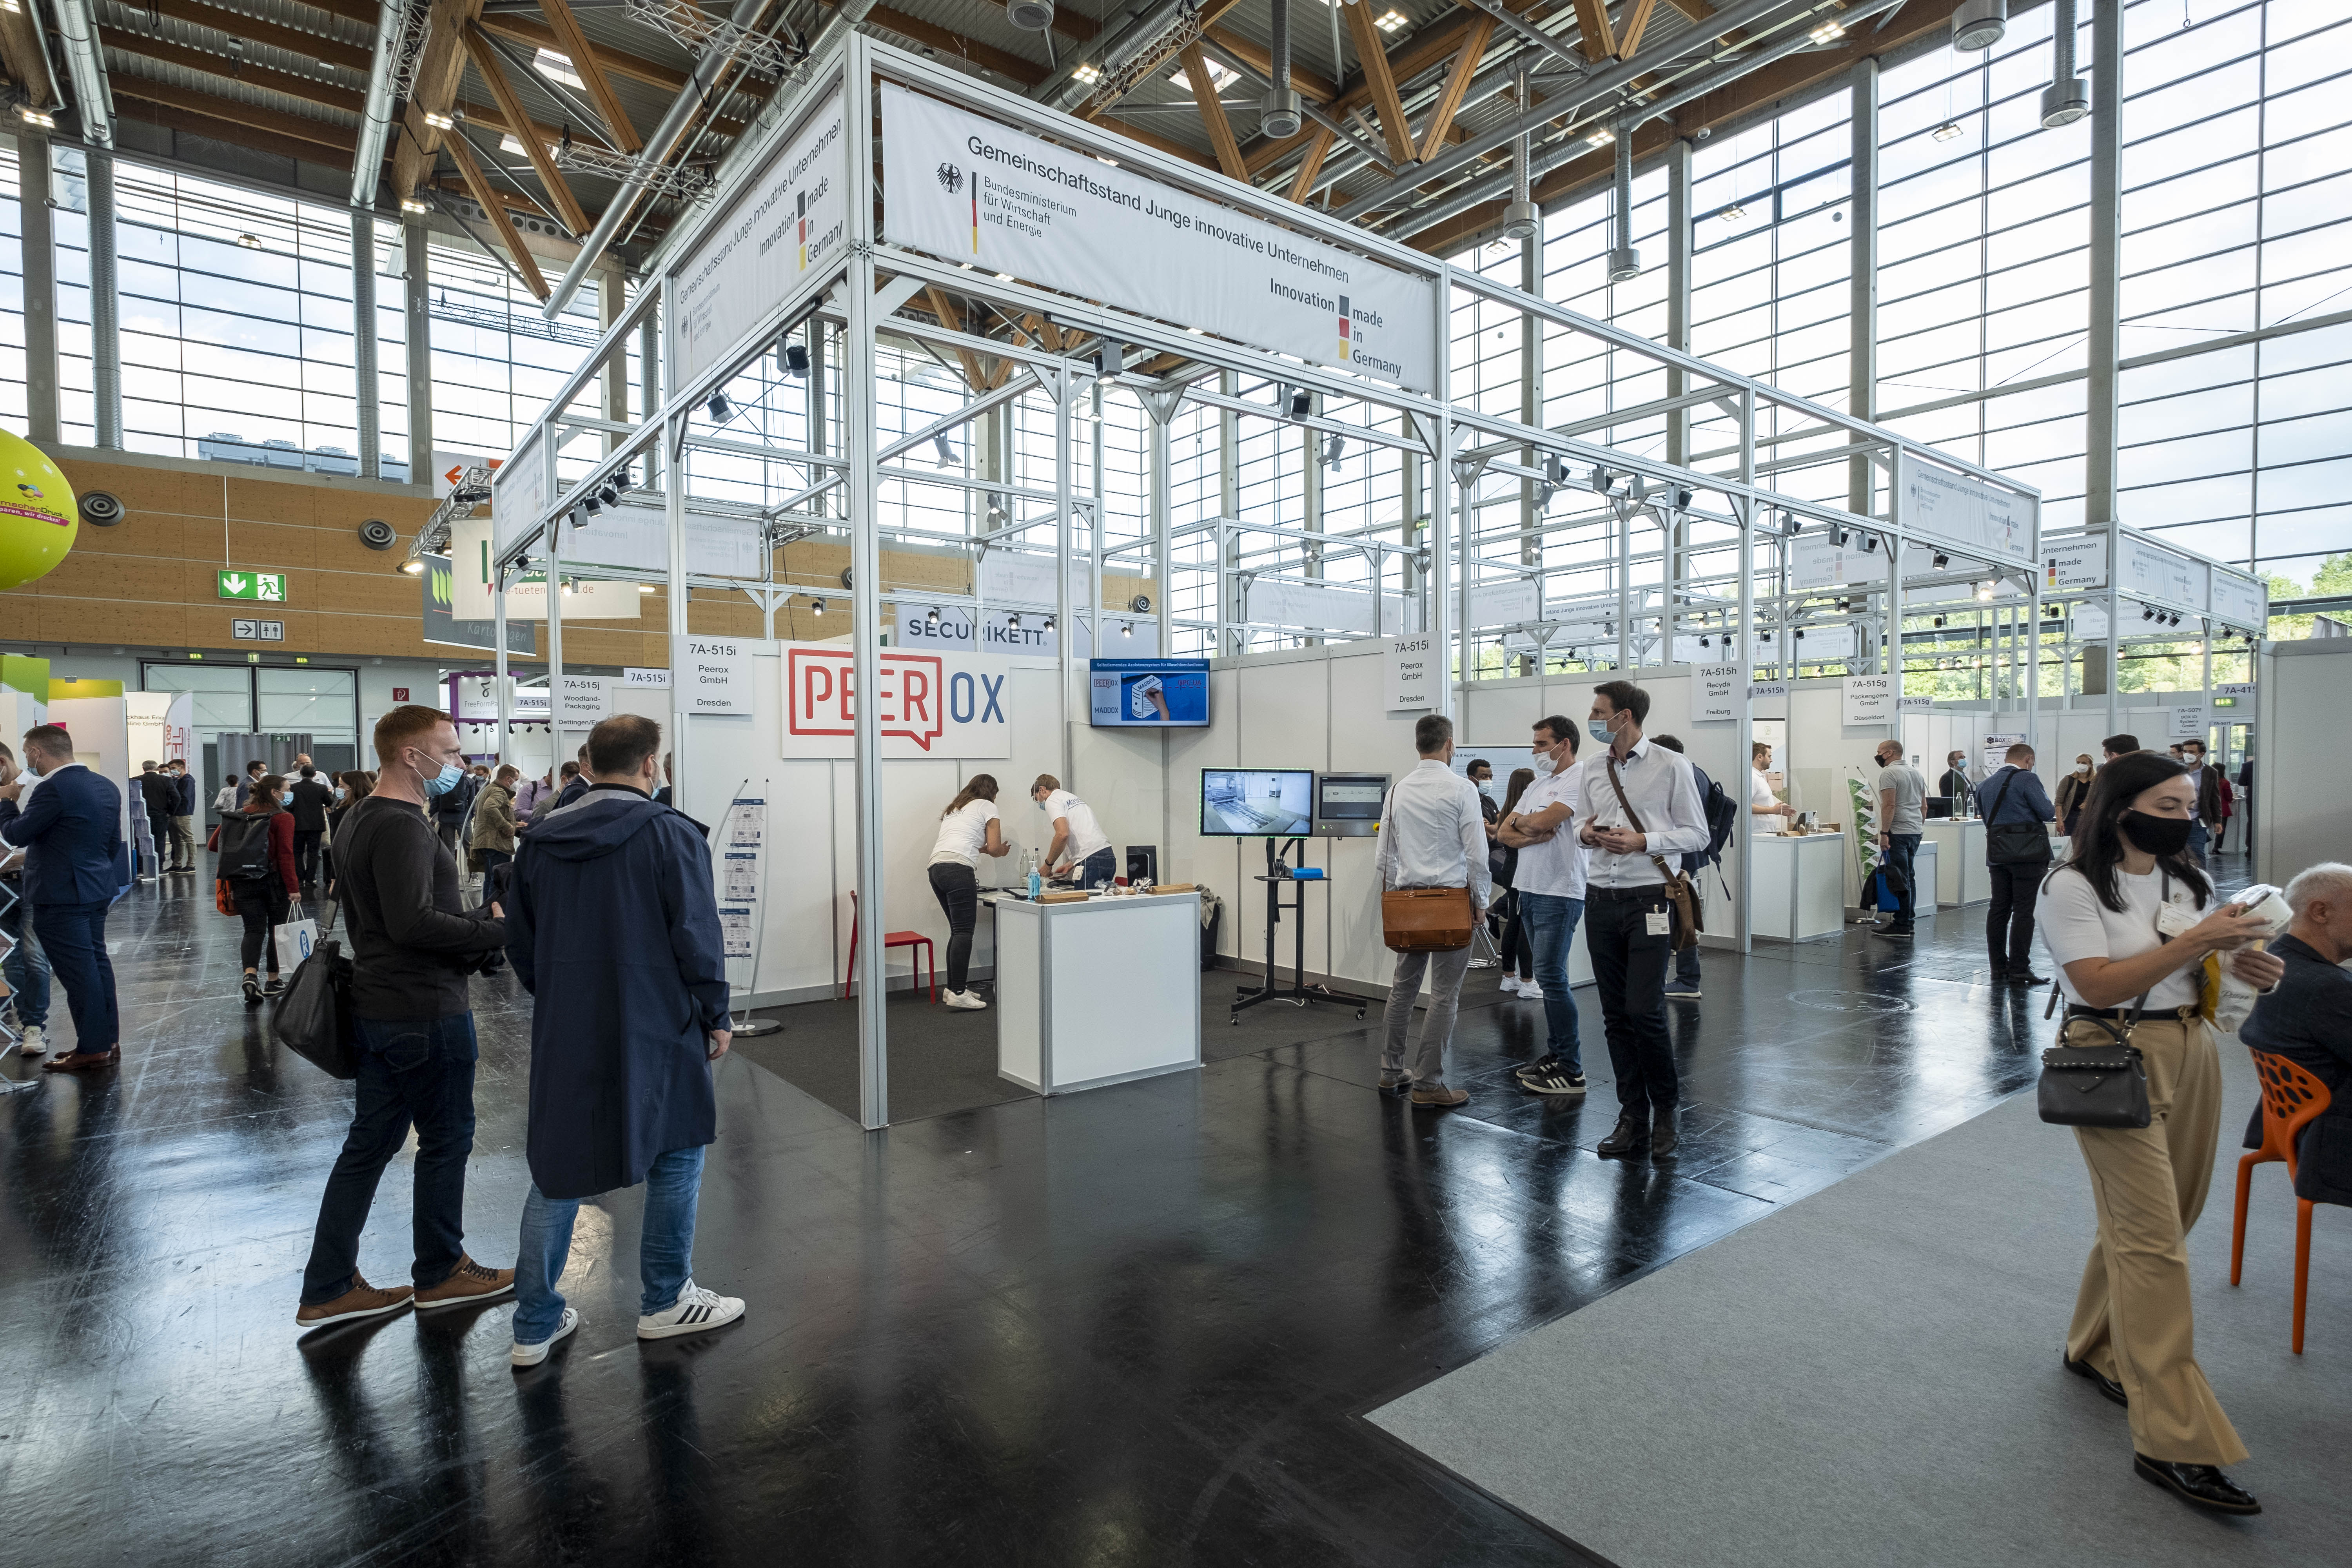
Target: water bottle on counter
1029	868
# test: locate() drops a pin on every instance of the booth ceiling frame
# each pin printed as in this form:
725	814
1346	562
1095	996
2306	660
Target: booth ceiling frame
867	297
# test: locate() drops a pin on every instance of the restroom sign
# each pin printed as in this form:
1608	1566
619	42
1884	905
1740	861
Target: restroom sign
930	704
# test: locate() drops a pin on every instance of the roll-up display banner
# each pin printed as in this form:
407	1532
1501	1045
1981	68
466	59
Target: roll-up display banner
969	190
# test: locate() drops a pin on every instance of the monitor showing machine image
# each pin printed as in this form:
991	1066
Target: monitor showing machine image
1256	803
1147	693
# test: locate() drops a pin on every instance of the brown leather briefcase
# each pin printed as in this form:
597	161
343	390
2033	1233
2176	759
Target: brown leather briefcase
1427	920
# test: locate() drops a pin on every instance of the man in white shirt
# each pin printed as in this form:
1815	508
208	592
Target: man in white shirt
1761	801
1629	919
1432	835
1079	843
1549	881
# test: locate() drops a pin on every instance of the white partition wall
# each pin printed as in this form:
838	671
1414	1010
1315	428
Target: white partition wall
2302	812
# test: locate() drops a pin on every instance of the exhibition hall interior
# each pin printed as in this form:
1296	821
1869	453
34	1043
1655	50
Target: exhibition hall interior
1463	782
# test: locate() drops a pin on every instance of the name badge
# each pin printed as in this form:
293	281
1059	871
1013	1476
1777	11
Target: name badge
1659	923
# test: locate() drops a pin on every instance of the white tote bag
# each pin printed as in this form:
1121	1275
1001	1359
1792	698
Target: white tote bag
295	939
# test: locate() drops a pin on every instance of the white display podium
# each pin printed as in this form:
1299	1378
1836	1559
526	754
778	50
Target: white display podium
1959	861
1799	886
1097	991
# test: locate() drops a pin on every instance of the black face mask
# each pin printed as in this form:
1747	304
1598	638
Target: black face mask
2158	836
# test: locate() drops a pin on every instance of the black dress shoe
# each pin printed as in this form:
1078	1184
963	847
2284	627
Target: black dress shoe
1629	1135
1663	1135
2099	1380
2026	977
2202	1485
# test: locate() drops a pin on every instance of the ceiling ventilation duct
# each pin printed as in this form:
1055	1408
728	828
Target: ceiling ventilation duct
1030	16
1624	261
1520	218
1980	24
1280	116
2066	99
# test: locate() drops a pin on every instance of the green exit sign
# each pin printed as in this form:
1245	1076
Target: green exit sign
269	586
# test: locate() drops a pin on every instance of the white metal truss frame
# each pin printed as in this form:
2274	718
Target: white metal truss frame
860	295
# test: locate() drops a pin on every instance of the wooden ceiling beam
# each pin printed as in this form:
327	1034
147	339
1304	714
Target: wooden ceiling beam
438	72
318	133
583	56
492	70
1011	66
250	73
1457	82
1322	89
478	185
1312	164
1593	22
1380	80
1632	23
1095	108
1212	111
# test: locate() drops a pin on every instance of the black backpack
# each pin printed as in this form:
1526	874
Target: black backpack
1722	814
244	847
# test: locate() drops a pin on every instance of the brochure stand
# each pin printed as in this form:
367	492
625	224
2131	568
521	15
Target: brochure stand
1278	872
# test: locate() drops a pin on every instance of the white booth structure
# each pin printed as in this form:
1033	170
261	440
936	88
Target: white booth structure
1097	991
1014	392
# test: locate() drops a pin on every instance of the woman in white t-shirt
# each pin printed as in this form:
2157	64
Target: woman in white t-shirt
969	829
2132	1333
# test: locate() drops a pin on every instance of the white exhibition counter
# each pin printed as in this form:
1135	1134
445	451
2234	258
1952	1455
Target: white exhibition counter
1097	991
1800	890
1959	861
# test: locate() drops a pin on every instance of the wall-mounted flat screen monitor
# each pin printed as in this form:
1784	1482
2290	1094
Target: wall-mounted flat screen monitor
1147	693
1348	806
1256	803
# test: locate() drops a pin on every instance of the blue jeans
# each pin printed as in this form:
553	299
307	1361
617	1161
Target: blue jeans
1099	870
74	936
26	968
1550	922
417	1072
665	1246
2200	836
1903	876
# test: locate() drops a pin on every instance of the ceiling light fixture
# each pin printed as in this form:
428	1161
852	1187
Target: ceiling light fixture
1942	561
817	605
719	407
2067	97
34	117
1086	73
1734	213
1828	32
1601	137
411	205
439	122
1390	21
247	242
412	566
1949	130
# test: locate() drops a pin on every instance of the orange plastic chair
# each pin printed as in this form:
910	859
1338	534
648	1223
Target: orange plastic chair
2291	1098
891	938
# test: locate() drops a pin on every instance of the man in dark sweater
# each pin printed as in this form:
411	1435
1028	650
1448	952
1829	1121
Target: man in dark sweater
158	794
413	943
2307	1019
311	799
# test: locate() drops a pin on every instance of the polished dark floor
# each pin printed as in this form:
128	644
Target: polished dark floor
1132	1326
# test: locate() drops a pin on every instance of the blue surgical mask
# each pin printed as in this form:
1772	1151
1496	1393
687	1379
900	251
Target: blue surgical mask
1599	728
286	797
450	777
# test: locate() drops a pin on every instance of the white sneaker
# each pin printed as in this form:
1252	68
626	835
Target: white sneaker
36	1042
1510	985
964	1001
695	1310
1530	992
531	1355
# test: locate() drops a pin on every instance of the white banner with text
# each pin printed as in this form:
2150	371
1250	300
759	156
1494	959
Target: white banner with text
932	703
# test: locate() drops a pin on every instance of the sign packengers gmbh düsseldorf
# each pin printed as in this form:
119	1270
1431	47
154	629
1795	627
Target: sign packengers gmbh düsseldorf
931	704
969	190
794	217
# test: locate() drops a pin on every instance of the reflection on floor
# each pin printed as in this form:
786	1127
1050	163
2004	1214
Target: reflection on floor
1137	1324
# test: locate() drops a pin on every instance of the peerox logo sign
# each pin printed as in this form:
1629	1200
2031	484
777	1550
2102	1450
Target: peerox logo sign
930	704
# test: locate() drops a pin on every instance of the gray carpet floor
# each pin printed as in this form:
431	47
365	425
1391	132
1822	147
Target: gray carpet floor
1871	1376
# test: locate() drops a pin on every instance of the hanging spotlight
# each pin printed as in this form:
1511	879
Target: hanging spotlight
1127	629
1869	544
609	493
1790	523
1012	622
1331	450
817	605
1942	561
1949	130
946	452
1049	623
718	407
2148	612
1939	620
796	359
1301	403
1838	536
1985	591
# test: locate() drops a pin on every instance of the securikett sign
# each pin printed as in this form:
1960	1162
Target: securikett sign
930	704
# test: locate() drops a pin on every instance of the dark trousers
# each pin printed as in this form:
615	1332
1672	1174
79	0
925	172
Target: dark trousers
417	1073
306	857
263	903
1518	954
1902	862
74	936
2009	924
1687	961
1629	968
1099	870
957	887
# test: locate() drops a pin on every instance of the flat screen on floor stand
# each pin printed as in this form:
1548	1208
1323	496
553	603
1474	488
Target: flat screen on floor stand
1276	804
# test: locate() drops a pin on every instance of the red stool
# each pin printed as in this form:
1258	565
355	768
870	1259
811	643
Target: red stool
891	938
2291	1098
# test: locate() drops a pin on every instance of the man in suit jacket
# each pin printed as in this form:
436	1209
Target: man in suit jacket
157	793
183	817
2307	1018
311	799
2208	798
74	866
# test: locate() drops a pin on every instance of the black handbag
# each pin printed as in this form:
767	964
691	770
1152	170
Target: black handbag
2103	1085
313	1018
2014	843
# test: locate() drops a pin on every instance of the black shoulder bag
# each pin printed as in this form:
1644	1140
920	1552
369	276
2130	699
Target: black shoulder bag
2102	1085
314	1017
2014	843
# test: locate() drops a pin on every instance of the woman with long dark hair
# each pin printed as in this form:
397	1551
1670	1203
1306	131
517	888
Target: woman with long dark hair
1519	956
257	866
2125	960
969	829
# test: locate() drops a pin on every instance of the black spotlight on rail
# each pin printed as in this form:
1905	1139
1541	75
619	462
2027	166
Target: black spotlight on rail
816	606
2148	612
795	360
1790	523
718	408
932	618
1942	561
1300	404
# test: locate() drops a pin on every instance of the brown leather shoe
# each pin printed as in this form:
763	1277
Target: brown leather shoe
83	1061
362	1300
1437	1097
467	1283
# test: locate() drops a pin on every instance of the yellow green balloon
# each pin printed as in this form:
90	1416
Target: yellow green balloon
38	518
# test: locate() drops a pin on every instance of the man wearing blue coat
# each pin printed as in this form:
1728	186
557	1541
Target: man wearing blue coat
75	864
613	927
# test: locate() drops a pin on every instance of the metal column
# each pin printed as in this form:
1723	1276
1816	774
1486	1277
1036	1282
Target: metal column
2101	410
1531	402
1160	410
40	264
416	311
505	681
367	381
1066	633
105	304
857	385
1453	662
1862	351
1743	844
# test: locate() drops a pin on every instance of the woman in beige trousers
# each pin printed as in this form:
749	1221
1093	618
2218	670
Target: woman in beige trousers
2121	955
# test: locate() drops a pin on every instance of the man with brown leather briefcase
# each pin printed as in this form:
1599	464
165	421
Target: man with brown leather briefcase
1434	885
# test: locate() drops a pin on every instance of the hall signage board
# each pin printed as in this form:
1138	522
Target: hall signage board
1870	699
267	586
2189	722
632	675
634	537
2237	599
2073	565
713	674
1718	696
2151	572
932	704
519	492
1997	524
475	701
973	191
470	549
788	221
583	699
1410	673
